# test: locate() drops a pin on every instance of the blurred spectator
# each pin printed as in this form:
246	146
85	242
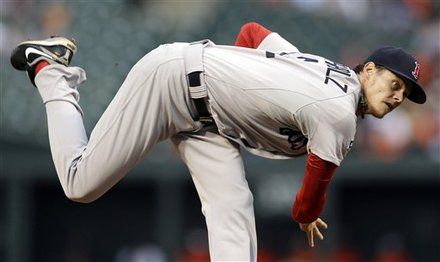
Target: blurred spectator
10	36
434	149
309	6
426	40
10	25
182	16
353	10
354	53
387	138
425	128
56	19
420	9
391	16
337	9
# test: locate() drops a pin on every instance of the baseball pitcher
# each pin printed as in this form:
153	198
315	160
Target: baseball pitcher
263	95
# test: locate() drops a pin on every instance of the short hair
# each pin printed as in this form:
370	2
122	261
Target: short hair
357	69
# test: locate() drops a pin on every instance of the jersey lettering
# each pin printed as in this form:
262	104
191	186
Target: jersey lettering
308	59
270	54
287	53
295	138
337	68
331	67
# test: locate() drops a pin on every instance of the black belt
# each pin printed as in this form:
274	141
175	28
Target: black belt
203	114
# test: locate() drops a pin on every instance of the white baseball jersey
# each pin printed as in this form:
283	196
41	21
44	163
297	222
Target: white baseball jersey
283	104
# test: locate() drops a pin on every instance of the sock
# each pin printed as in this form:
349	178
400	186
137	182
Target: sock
40	66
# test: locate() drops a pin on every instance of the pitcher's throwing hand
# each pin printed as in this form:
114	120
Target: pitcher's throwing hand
312	229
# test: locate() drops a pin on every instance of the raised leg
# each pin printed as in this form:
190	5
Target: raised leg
150	106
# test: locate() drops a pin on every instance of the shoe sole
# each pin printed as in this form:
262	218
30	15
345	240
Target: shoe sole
18	56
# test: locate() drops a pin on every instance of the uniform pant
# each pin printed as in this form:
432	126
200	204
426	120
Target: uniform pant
152	104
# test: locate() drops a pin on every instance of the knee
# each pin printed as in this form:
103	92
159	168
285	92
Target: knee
240	203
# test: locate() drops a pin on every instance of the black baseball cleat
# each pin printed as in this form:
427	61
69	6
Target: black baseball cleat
27	55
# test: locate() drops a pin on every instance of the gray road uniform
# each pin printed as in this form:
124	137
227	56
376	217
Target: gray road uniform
279	105
276	102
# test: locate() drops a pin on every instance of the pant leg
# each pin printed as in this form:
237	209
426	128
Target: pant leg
218	173
151	105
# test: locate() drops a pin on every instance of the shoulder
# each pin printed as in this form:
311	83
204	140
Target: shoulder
336	114
275	43
333	107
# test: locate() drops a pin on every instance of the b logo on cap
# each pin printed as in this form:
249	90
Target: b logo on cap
416	71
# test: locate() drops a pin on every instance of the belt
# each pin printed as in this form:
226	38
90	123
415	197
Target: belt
196	81
203	114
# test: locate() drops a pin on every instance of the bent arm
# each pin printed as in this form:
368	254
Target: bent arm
256	36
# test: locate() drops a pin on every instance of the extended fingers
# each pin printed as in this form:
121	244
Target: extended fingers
318	233
321	223
312	229
310	237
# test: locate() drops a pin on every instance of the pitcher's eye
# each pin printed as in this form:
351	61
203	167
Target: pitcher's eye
395	85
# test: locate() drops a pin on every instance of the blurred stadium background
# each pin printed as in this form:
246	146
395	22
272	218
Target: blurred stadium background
383	205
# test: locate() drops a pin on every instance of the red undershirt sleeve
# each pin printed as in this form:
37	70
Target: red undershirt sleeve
251	35
311	197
